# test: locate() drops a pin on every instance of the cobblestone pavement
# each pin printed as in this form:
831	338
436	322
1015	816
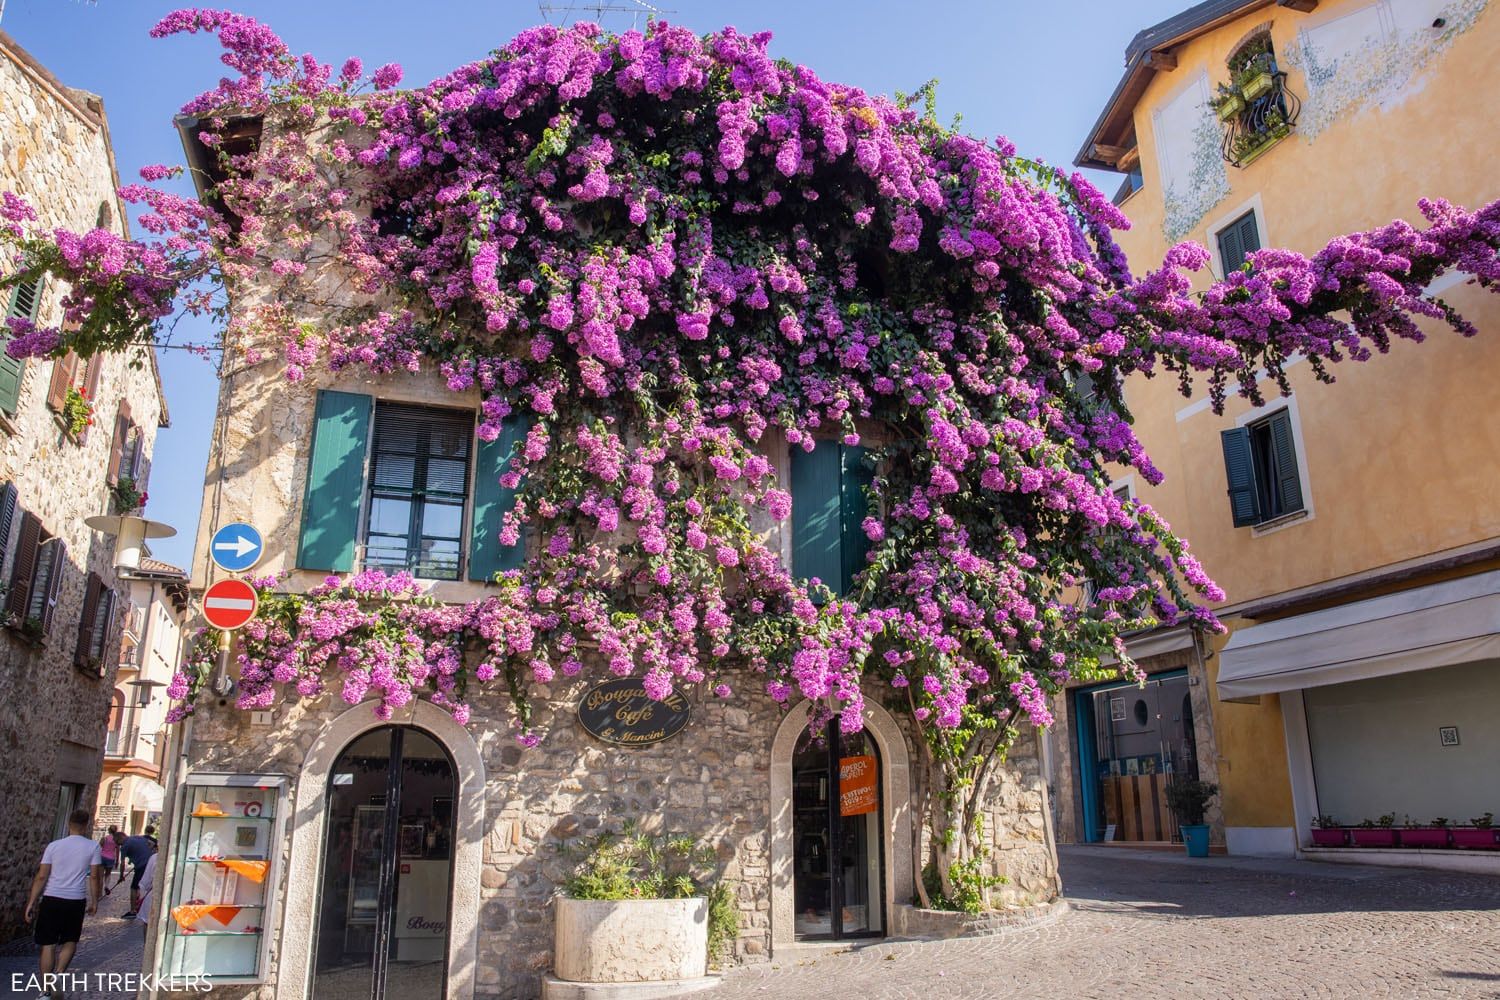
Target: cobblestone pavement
110	944
1149	925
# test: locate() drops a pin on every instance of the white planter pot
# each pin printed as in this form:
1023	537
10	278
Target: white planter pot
630	940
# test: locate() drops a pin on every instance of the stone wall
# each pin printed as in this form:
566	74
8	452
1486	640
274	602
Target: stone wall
55	153
711	782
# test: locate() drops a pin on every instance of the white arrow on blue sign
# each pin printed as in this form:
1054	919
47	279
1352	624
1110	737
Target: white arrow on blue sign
236	547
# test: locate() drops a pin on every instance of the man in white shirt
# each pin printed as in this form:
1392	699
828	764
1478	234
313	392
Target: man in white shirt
67	885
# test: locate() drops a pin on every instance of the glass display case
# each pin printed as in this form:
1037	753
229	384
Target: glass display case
228	831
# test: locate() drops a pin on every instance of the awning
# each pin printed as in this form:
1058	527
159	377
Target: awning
1457	621
147	796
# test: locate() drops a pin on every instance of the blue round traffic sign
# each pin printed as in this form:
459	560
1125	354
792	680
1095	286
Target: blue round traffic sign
236	547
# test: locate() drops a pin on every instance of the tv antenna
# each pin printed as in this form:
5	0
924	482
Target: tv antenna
563	12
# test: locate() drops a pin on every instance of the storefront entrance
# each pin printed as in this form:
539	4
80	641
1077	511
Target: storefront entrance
837	837
1133	741
383	908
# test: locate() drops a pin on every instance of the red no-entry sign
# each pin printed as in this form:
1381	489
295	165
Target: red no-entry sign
229	604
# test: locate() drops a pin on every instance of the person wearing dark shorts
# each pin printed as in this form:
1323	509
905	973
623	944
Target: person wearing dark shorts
65	889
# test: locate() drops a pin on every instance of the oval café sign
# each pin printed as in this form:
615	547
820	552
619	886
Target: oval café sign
621	712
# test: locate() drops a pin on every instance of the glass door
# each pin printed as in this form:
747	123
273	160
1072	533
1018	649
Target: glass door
387	869
1134	740
836	833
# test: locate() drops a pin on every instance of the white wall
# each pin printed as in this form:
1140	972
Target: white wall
1376	749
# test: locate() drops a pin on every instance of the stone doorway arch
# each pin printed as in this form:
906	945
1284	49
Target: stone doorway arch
294	974
895	794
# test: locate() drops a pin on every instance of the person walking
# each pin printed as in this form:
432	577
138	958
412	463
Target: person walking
66	887
137	850
109	854
148	886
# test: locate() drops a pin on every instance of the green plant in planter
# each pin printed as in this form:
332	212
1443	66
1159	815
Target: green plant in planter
127	495
1386	822
1189	800
1441	822
1484	822
1227	102
32	629
1256	77
636	865
77	412
1325	823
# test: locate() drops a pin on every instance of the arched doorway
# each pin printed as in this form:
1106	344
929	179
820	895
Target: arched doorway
837	836
890	824
383	909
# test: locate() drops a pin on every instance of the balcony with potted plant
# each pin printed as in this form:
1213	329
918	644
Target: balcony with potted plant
1255	106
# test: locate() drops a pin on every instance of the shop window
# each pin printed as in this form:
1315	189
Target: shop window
1260	462
828	509
1237	241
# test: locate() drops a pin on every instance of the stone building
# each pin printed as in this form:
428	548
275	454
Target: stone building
310	789
69	432
153	609
1353	525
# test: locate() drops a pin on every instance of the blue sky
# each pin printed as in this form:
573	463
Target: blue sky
1037	73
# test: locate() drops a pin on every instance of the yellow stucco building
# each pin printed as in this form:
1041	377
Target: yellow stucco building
1354	527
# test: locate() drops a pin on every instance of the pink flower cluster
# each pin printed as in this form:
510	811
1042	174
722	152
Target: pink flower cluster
662	254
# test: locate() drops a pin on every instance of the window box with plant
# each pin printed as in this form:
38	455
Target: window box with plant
1479	836
77	413
642	909
1256	77
1228	103
127	495
1375	832
1426	835
1326	832
1188	800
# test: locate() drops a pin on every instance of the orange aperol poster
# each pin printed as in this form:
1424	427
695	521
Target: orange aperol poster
857	778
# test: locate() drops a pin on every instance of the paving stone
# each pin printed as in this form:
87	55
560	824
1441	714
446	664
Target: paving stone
1167	926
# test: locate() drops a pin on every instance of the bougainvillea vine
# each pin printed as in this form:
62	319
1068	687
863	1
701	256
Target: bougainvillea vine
667	255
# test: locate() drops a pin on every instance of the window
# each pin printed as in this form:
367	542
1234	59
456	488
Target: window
419	480
1260	461
828	510
1237	241
73	372
35	579
405	497
94	626
126	450
8	496
25	300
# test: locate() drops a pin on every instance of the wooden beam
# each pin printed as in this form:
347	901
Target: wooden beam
1109	154
1305	6
1162	60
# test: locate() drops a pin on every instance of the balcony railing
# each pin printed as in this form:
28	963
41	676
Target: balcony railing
1260	121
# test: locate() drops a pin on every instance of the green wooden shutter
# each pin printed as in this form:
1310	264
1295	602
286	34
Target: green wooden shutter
1284	461
1239	467
335	482
25	299
1249	234
855	475
817	514
493	501
1231	250
1237	240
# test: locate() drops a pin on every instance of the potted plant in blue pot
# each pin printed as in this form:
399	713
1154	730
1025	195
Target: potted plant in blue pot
1188	800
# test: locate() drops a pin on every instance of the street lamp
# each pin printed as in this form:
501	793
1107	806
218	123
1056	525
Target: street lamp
130	534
